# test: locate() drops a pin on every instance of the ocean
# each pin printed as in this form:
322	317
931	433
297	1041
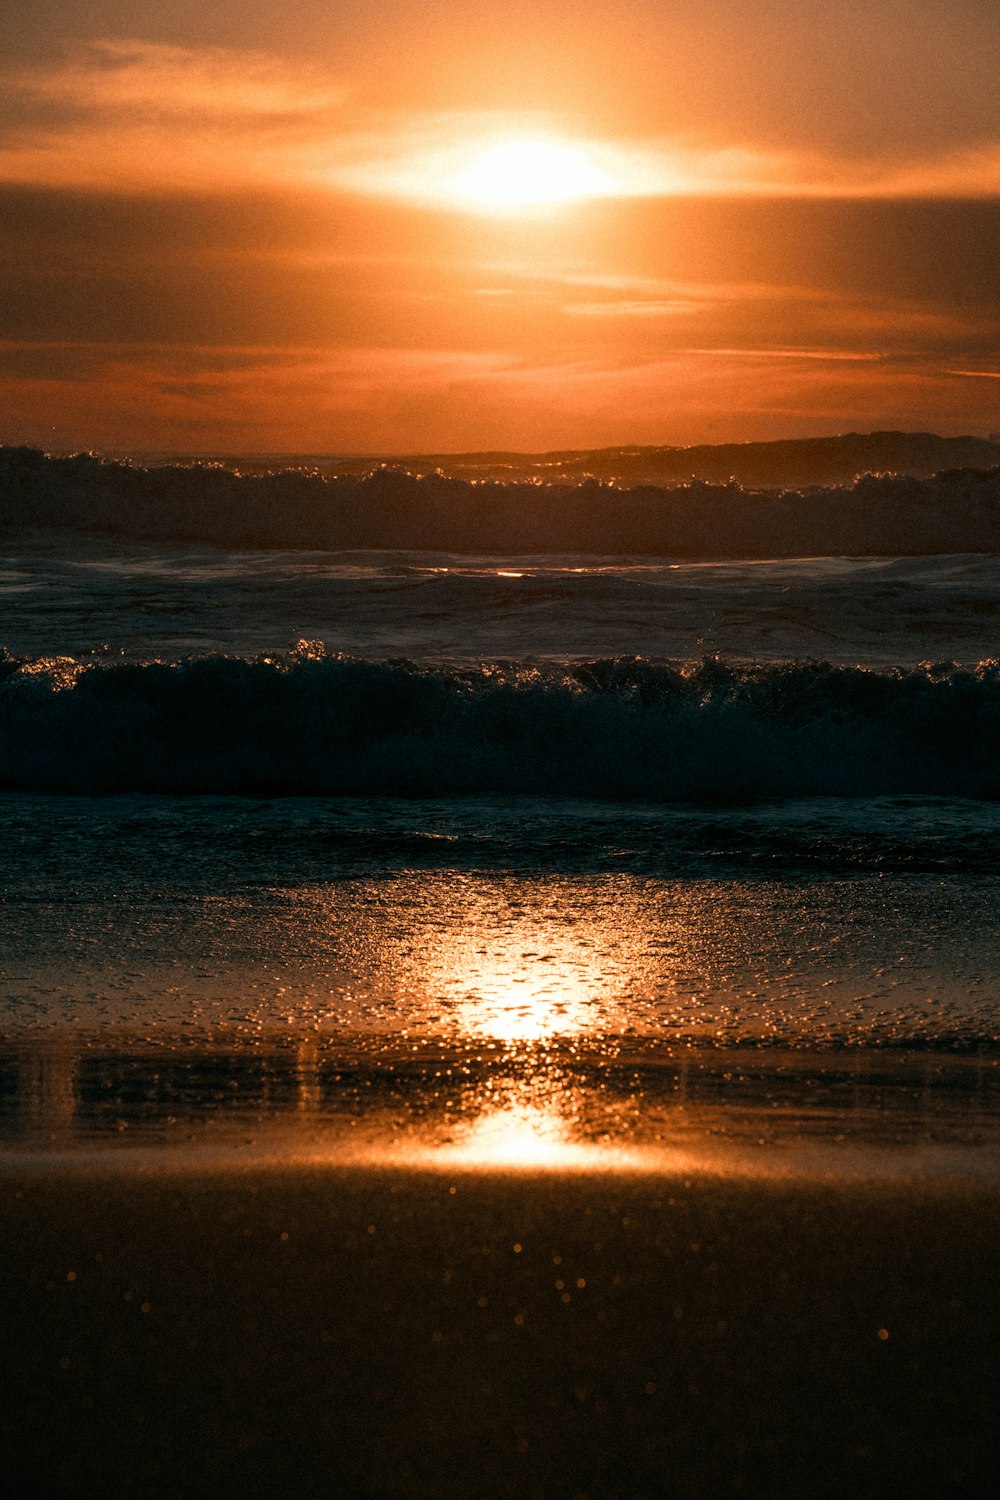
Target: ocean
566	797
499	868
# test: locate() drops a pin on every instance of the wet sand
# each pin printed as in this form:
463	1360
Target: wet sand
363	1331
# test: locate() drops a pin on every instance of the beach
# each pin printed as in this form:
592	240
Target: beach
497	1270
405	1333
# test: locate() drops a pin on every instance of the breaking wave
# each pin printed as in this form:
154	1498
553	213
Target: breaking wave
310	723
883	514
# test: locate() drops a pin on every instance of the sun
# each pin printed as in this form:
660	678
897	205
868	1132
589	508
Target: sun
517	174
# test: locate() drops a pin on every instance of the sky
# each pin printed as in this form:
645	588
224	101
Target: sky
418	226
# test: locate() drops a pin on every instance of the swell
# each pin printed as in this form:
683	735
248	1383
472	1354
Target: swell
877	515
309	723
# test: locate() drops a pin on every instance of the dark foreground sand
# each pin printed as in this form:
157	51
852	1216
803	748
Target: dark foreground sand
321	1331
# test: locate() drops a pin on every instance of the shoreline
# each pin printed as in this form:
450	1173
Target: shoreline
202	1101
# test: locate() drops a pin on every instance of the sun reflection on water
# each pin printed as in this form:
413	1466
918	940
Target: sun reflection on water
527	972
523	1002
498	957
526	1136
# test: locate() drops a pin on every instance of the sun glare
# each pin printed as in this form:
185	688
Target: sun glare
528	173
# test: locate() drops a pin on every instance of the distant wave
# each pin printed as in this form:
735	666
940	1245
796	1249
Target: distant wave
622	729
878	515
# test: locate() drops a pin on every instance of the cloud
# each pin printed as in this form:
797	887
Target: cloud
150	78
121	115
426	400
125	114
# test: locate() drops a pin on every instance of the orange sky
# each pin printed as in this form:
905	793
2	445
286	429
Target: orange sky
229	229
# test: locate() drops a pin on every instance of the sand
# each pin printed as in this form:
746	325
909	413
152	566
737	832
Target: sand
395	1333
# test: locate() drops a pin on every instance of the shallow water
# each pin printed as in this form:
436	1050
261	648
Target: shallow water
815	925
499	984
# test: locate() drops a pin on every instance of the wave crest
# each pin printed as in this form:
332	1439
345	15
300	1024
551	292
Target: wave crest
878	514
620	728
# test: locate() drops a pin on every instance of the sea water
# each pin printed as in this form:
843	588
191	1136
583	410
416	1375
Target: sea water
288	827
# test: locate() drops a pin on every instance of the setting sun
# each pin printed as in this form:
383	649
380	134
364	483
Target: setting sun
528	173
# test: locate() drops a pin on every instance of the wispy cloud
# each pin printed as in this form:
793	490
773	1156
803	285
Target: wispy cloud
150	78
362	399
768	353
